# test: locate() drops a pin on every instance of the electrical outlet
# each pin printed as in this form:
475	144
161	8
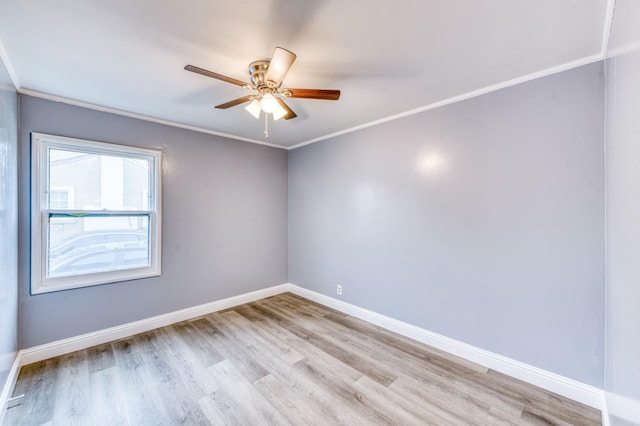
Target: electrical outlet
339	290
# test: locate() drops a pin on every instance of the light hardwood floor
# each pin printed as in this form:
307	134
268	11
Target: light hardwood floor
281	360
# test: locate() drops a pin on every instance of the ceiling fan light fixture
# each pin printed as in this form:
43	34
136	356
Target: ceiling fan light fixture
254	108
266	80
279	112
269	103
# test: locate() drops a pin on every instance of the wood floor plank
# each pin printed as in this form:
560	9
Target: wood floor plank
70	400
202	348
348	357
399	409
142	406
284	383
194	377
299	300
299	403
163	379
281	360
100	357
273	350
445	374
249	313
350	398
536	399
191	368
410	347
447	402
237	399
106	400
272	329
544	419
35	382
230	349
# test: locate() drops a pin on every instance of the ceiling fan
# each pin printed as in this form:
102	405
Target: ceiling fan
266	81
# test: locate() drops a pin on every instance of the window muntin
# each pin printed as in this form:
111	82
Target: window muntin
95	216
58	199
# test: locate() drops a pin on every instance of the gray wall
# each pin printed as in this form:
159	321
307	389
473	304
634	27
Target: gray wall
8	224
481	220
224	223
622	373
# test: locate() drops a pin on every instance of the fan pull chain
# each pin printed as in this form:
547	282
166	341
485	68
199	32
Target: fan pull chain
266	125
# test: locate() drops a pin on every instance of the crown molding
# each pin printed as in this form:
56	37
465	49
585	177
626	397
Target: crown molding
608	23
475	93
4	58
623	50
55	98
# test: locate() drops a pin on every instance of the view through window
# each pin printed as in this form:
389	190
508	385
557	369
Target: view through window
97	216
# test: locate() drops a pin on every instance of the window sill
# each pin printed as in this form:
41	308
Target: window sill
90	280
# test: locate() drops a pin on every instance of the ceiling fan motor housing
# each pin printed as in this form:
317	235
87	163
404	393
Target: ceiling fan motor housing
258	72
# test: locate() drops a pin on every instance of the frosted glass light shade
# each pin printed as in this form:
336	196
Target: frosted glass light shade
254	108
269	103
279	112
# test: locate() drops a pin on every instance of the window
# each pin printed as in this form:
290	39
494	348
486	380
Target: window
95	213
59	199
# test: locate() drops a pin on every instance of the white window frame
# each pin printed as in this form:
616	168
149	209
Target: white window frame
40	213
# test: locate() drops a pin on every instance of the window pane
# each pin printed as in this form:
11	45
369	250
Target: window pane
59	200
98	181
97	243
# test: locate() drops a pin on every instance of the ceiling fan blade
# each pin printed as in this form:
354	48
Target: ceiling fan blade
327	95
290	113
236	102
215	75
281	61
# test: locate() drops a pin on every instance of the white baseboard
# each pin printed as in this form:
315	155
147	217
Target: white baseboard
622	407
76	343
9	384
606	421
553	382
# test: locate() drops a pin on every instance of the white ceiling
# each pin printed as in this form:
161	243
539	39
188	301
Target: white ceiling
387	56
